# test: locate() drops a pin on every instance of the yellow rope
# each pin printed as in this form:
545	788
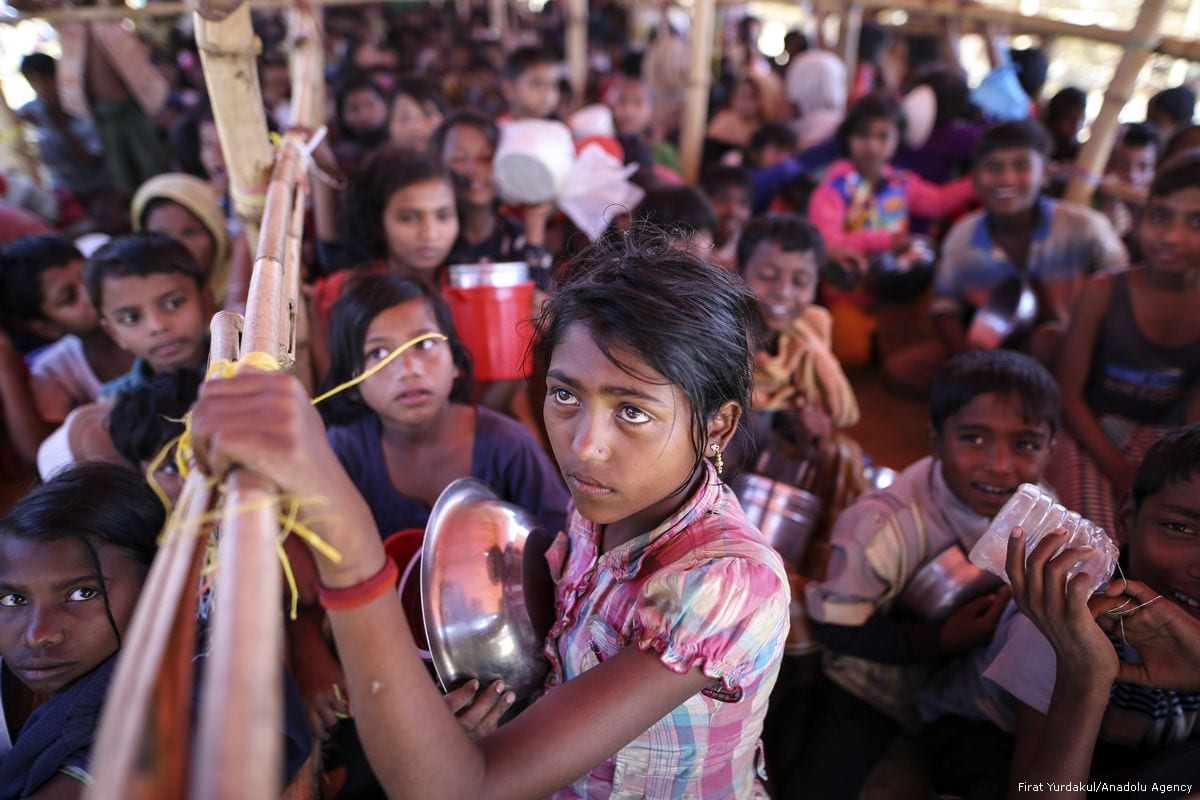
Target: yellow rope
392	356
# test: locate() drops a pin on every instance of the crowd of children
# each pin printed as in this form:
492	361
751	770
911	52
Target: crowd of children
849	219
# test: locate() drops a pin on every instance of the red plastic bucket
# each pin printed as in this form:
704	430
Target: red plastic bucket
493	322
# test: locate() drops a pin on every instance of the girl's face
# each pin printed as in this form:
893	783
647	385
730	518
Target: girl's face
872	146
413	390
173	219
469	153
631	108
53	625
364	111
785	282
412	124
420	223
624	443
745	101
1169	231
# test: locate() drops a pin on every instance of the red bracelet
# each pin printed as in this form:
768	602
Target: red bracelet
346	598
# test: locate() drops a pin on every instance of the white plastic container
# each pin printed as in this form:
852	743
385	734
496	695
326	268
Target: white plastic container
1039	514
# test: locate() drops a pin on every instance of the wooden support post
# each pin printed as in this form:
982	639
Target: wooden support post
15	152
228	48
848	34
695	101
576	47
1089	165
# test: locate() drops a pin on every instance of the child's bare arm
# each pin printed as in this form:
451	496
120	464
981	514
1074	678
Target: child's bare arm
1057	747
24	423
1074	366
60	787
265	423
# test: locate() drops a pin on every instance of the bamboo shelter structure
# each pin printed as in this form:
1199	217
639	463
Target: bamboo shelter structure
143	748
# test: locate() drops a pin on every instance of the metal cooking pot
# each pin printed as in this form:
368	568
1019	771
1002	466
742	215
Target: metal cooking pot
945	584
1009	313
486	594
786	515
902	275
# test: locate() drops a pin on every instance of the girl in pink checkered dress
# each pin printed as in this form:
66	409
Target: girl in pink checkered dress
671	608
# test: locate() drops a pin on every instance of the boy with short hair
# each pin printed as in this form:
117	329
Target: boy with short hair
1019	233
146	417
994	415
41	286
1074	715
153	302
1130	168
531	83
728	190
1172	109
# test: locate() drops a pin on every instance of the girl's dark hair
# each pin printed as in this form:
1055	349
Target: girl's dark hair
791	232
1068	99
365	299
693	323
386	171
676	210
1139	135
865	111
1173	458
94	502
1179	173
1005	372
952	92
471	119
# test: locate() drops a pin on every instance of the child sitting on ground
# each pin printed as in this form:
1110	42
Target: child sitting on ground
1052	244
73	555
1131	360
41	289
153	302
1118	701
993	419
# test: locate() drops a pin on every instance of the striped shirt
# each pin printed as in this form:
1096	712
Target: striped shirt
705	591
1069	243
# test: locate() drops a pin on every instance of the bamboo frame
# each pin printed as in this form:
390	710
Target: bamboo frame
1089	165
576	46
695	103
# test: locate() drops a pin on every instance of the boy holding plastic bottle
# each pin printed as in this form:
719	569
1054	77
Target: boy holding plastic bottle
1109	689
994	416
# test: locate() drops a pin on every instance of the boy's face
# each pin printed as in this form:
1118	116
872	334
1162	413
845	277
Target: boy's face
1169	231
1164	541
534	93
162	317
1008	181
631	108
785	282
731	204
65	304
988	449
1133	165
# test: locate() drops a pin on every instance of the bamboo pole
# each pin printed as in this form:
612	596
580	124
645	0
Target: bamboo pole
228	48
695	101
849	33
1089	165
238	742
498	19
576	46
15	152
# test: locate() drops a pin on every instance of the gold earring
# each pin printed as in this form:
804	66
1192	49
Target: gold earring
717	459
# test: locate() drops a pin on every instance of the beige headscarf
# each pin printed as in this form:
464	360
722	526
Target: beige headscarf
198	197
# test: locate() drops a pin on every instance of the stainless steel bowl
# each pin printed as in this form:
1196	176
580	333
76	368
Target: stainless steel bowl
486	594
945	584
1009	313
786	515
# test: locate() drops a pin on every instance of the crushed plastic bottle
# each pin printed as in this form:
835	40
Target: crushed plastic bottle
1038	513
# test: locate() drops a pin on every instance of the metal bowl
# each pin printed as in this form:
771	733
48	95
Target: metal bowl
786	515
945	584
486	594
902	275
1009	313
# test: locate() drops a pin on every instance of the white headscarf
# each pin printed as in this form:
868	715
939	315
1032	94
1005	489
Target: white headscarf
816	84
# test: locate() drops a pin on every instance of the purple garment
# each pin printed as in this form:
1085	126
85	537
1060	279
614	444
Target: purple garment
504	456
946	155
